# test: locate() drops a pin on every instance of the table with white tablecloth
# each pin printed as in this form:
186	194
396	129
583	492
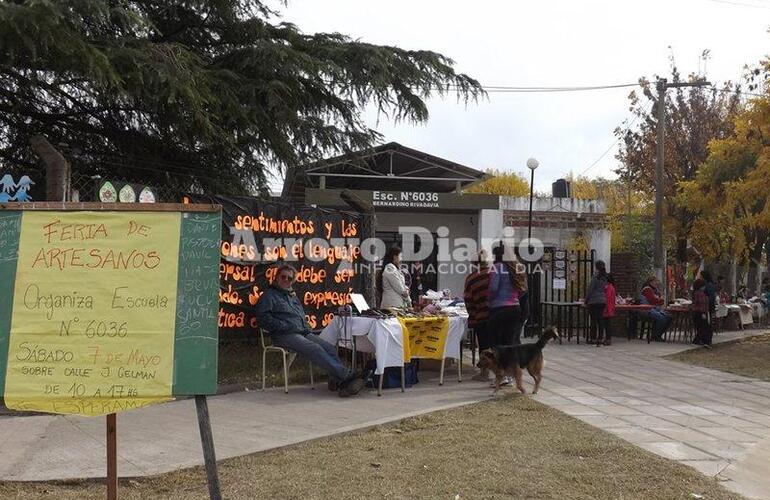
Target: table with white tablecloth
746	313
385	337
743	313
759	310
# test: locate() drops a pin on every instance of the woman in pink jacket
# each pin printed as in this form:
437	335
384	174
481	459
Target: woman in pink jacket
609	309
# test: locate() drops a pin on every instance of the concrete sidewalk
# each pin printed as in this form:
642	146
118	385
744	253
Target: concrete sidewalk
165	437
716	422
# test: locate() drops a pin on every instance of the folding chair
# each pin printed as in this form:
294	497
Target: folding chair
285	353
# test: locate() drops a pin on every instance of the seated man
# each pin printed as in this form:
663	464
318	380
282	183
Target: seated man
280	313
660	320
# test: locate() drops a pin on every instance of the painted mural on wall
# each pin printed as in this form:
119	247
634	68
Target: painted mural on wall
11	190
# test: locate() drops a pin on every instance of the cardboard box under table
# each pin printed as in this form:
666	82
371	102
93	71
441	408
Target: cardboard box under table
395	340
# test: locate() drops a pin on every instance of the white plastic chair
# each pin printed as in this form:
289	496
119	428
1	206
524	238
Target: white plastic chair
286	363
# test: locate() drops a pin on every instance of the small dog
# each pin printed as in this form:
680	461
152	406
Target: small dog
511	359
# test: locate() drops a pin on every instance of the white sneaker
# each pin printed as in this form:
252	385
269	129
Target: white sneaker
504	381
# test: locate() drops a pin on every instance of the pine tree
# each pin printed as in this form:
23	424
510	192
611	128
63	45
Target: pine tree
209	91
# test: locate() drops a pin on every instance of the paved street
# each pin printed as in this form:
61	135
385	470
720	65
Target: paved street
715	422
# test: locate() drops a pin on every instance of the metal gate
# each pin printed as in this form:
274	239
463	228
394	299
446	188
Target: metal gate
559	279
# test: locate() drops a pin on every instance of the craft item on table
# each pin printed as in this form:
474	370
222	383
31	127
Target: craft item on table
431	309
376	313
434	295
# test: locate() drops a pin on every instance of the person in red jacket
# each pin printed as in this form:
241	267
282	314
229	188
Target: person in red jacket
699	310
660	320
609	309
650	292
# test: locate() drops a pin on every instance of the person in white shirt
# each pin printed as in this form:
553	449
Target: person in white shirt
391	282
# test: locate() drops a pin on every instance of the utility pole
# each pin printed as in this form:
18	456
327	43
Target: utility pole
658	261
658	242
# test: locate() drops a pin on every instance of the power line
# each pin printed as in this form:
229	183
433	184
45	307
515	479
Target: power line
535	89
732	91
633	122
543	89
592	165
741	4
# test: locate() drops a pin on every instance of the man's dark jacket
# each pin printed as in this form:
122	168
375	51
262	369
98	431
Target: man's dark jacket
280	313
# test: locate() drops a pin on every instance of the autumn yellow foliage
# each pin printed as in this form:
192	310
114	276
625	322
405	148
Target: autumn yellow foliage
621	200
502	183
730	192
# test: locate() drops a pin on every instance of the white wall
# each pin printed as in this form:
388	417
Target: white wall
487	225
490	226
600	240
460	226
553	205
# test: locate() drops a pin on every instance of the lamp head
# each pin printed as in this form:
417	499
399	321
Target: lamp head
532	164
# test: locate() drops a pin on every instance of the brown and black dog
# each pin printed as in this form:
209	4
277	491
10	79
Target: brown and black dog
511	359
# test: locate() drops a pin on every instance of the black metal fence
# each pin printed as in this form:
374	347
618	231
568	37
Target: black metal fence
561	282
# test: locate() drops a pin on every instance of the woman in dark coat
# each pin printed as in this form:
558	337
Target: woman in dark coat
596	301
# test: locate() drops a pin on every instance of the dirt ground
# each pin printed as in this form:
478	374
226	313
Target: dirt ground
511	447
240	362
748	357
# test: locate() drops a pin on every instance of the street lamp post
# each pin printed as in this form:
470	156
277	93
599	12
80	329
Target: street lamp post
532	164
658	261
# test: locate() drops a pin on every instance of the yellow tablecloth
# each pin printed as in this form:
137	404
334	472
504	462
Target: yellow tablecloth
424	337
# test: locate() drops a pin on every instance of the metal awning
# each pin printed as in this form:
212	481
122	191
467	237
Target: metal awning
389	167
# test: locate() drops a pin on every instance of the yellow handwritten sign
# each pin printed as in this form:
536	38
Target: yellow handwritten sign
424	337
94	304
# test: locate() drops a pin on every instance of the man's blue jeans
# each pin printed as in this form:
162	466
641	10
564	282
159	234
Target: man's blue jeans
316	350
660	322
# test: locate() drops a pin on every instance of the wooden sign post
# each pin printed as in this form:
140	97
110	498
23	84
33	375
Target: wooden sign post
207	441
112	457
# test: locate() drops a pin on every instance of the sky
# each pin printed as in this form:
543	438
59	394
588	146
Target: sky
551	43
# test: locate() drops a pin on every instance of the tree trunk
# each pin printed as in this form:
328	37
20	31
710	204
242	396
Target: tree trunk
767	253
681	250
57	174
751	279
755	262
732	277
